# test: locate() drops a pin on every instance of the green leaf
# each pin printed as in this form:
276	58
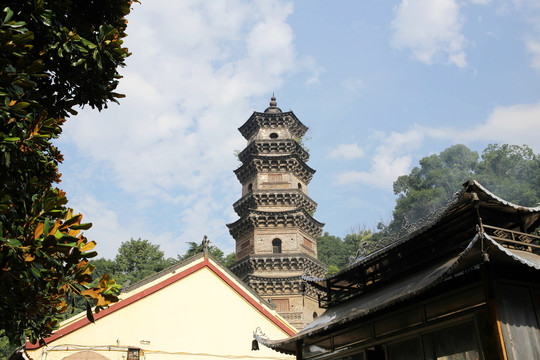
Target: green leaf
14	242
84	226
89	314
35	272
9	14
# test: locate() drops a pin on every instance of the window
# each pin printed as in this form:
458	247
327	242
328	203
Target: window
273	136
299	186
275	177
276	246
281	304
454	343
406	350
250	187
133	354
457	342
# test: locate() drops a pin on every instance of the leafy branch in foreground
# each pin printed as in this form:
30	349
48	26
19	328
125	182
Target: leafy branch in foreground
54	56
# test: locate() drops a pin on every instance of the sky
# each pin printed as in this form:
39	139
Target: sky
380	84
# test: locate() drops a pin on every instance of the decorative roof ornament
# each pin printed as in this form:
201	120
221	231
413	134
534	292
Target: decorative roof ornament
273	101
273	105
205	243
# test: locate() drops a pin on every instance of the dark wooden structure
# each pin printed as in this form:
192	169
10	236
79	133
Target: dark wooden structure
464	285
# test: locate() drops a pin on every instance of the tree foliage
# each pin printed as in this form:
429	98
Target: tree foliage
137	259
336	253
195	248
54	56
510	171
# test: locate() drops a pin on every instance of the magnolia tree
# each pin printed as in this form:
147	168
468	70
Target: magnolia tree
54	56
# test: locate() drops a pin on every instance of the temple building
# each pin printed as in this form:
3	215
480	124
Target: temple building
462	284
194	309
276	235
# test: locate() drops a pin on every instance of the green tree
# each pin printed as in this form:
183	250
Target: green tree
195	248
358	239
5	347
337	253
229	260
431	185
510	171
54	56
138	259
333	251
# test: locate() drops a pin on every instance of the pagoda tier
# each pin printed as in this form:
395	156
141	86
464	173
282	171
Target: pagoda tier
297	218
260	120
273	147
277	163
280	286
295	264
258	199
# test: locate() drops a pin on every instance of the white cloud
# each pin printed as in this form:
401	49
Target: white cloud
347	151
210	59
517	124
391	159
431	30
533	47
188	84
105	225
308	63
353	85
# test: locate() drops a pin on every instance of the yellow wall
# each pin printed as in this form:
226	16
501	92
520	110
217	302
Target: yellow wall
199	314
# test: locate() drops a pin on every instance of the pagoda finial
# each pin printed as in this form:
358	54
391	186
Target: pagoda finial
273	101
273	105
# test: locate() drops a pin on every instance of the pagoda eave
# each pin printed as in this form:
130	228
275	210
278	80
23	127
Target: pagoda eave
280	163
285	197
273	147
276	219
272	120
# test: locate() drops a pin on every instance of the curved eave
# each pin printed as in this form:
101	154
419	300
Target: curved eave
273	213
253	258
406	288
529	215
501	201
247	218
461	203
252	149
247	170
251	199
251	126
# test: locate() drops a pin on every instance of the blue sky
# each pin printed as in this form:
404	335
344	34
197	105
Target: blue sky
380	84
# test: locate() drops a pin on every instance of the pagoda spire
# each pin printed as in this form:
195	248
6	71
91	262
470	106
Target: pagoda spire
273	105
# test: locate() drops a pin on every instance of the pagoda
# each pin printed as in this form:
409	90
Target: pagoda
276	234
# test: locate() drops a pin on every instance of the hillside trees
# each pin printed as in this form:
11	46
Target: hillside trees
54	56
137	259
509	171
216	252
335	252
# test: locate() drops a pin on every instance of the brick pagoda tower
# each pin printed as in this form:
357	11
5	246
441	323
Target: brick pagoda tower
276	235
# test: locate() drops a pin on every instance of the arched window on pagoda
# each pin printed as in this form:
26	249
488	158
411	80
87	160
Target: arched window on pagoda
276	246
